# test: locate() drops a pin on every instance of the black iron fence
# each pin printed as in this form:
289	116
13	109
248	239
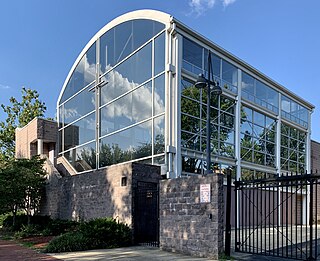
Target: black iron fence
278	216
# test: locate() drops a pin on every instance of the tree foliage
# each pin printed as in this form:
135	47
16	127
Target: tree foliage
21	183
19	114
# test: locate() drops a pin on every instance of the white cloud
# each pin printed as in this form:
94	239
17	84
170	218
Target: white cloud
4	87
199	7
228	2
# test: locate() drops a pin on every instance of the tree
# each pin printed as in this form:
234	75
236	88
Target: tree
21	184
19	114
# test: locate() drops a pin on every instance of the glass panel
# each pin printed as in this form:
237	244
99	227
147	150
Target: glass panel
258	118
82	158
246	113
159	160
79	105
84	73
128	75
158	129
61	118
247	83
261	91
190	124
122	40
107	120
126	145
285	104
142	141
191	165
272	97
79	132
143	30
192	53
142	103
189	90
159	55
190	140
229	73
107	51
60	133
190	107
159	95
246	127
215	61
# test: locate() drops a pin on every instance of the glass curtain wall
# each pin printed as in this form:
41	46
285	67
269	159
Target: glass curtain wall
194	109
293	149
257	138
121	118
258	120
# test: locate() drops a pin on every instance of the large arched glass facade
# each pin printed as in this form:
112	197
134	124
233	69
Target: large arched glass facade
112	108
130	96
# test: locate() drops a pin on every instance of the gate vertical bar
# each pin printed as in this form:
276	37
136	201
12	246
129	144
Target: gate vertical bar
311	219
236	219
316	219
228	215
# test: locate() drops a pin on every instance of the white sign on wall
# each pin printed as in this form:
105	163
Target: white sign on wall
205	193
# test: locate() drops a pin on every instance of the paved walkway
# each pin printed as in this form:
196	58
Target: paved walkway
138	253
10	251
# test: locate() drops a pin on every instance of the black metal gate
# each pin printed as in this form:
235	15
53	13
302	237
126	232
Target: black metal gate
278	216
146	214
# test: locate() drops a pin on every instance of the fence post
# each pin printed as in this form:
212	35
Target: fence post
228	214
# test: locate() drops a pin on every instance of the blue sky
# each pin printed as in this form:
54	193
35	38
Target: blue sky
40	39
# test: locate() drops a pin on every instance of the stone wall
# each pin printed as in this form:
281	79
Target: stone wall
96	193
188	226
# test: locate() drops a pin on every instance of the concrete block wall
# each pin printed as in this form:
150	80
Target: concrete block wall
188	226
96	193
26	137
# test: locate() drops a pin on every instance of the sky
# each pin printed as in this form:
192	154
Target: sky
41	39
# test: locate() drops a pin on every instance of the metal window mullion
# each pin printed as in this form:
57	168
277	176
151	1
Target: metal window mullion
77	120
152	98
278	138
97	101
175	102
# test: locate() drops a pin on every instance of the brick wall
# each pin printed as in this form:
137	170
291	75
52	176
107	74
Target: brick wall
185	223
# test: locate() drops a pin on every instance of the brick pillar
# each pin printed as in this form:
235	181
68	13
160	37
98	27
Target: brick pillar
188	225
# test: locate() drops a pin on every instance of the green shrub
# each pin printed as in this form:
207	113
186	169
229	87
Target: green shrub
71	241
2	218
57	227
97	233
19	222
106	233
27	231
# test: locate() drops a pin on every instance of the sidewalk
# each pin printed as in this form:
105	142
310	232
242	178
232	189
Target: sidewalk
11	251
138	253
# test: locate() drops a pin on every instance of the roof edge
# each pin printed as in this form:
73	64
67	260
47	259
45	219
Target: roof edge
245	65
149	14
